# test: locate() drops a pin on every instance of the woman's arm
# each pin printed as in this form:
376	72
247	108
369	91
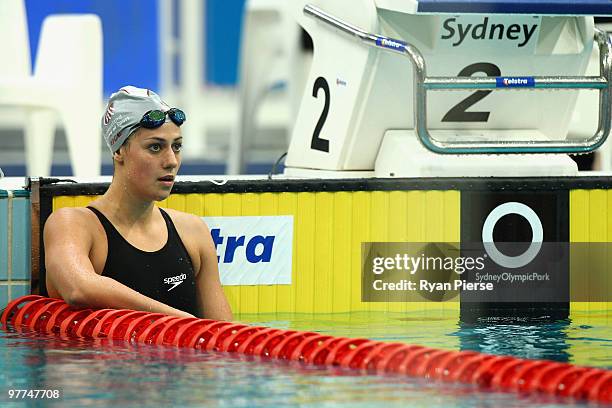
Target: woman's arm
211	299
68	240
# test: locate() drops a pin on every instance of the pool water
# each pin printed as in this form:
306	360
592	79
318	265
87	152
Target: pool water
103	373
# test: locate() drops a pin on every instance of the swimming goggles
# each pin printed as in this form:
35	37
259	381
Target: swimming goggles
155	118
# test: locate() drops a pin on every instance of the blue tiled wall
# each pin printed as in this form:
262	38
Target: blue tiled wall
18	290
21	239
3	237
15	272
3	295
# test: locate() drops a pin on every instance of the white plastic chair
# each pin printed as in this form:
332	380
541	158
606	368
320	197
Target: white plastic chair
67	80
269	55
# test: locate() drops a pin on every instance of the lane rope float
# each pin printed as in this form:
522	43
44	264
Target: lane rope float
497	373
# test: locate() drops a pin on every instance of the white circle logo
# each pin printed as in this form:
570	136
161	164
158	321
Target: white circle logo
536	230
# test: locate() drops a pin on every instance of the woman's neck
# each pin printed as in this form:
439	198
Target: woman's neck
124	206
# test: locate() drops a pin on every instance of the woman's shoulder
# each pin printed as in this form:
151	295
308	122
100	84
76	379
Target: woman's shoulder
79	223
71	215
186	222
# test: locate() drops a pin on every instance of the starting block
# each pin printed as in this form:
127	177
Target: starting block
405	88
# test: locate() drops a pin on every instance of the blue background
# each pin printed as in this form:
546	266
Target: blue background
131	43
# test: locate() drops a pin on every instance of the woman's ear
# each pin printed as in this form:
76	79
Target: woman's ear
118	156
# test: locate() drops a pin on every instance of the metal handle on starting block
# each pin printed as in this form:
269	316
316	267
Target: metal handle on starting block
423	84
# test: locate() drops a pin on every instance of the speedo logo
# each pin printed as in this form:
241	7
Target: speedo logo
175	280
257	248
389	43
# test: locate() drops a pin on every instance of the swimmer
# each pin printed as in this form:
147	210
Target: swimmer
123	251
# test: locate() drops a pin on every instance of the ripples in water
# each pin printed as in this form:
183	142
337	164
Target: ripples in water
106	373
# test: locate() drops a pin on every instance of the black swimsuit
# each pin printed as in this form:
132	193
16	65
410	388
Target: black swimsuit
166	275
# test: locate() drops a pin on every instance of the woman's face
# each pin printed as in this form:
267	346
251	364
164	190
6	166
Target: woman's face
151	160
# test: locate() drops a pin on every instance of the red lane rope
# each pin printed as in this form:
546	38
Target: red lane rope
503	373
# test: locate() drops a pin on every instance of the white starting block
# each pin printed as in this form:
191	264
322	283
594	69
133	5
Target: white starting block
405	88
